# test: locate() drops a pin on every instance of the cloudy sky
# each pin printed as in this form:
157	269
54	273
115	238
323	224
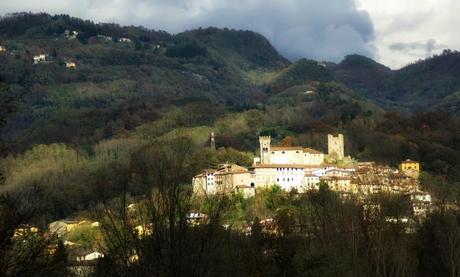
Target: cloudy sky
394	32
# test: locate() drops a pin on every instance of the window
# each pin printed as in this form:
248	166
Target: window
252	184
277	179
297	151
282	152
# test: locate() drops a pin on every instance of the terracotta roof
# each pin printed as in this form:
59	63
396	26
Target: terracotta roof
286	148
335	177
311	175
318	166
231	168
231	172
295	148
409	161
280	165
306	166
311	151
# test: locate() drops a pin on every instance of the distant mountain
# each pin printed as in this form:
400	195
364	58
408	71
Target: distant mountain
361	73
246	49
433	83
426	84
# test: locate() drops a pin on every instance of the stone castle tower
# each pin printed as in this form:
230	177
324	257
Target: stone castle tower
264	142
335	147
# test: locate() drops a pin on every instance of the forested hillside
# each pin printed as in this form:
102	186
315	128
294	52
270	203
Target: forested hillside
123	84
431	84
132	86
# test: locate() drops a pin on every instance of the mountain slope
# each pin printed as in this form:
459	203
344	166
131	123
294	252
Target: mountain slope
122	83
361	73
298	73
427	84
246	49
129	76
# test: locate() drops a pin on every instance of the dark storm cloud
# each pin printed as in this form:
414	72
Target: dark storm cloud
323	30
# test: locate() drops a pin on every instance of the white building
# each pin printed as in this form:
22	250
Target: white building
91	256
421	203
273	155
104	37
71	34
204	182
124	40
39	58
69	64
287	176
311	182
225	179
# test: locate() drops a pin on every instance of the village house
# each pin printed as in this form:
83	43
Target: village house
410	168
223	180
126	40
195	218
91	256
421	203
25	230
311	182
304	169
40	58
62	227
71	65
70	34
105	38
143	230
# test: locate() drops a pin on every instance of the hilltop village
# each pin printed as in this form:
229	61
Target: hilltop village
303	169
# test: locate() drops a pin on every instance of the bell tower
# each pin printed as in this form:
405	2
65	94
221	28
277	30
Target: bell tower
264	142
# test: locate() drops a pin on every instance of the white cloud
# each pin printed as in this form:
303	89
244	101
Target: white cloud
412	29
